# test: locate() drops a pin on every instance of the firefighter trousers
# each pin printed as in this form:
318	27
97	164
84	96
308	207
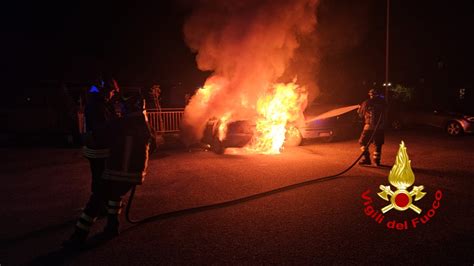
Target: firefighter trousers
109	193
378	140
97	166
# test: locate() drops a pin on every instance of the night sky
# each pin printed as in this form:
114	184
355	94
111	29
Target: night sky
141	44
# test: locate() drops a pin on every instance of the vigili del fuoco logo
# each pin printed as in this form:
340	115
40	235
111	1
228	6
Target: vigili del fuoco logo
403	198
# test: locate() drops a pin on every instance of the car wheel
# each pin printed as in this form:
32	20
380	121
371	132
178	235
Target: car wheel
328	139
396	124
453	128
217	146
293	137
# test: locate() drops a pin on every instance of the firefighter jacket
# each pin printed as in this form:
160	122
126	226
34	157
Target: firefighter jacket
373	110
129	141
97	115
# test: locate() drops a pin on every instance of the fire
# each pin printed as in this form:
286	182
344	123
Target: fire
278	111
249	46
276	114
223	121
204	93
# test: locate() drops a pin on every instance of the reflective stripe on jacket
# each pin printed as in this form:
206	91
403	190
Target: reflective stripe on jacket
95	153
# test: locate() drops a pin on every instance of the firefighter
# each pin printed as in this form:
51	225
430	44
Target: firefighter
126	166
372	111
97	114
128	140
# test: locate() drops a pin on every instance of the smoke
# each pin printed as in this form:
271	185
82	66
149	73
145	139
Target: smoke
248	45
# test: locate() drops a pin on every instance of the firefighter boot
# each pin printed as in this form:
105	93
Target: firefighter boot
111	230
78	238
114	208
365	157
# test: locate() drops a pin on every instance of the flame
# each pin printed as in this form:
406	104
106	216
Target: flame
278	110
401	176
204	93
222	130
248	46
276	113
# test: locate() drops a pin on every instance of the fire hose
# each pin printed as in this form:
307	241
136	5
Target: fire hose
245	199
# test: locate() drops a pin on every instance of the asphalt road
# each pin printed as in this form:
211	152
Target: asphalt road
319	223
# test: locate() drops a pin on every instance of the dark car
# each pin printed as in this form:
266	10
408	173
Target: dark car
454	123
321	122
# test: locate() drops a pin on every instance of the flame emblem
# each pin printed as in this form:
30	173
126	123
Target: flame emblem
401	176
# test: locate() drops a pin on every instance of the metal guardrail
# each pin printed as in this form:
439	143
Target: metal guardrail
165	120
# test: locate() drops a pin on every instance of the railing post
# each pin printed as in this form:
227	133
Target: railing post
165	120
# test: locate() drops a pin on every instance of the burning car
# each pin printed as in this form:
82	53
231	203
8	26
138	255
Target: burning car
239	134
335	123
